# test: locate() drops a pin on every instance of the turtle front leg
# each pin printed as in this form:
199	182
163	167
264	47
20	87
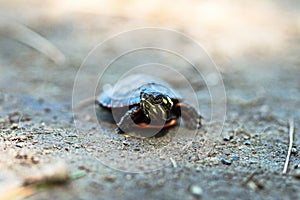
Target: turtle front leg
190	116
128	119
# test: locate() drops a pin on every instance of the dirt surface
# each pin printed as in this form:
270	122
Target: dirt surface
37	126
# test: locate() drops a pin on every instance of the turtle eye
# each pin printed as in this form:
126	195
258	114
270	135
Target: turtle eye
159	99
162	99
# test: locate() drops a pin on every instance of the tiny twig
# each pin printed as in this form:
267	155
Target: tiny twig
27	36
86	102
185	147
173	162
250	177
291	132
17	192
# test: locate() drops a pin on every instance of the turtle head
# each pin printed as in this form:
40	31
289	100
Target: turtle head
156	106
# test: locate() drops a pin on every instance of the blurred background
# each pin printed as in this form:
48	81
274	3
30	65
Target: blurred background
255	45
239	36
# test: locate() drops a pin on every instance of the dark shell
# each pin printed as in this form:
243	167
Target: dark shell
127	91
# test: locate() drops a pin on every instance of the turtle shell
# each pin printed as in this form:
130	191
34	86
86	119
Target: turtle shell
126	93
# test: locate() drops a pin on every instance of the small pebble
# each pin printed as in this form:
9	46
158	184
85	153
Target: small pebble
162	158
198	169
296	173
47	151
22	155
196	190
14	126
72	135
251	161
110	178
297	166
48	131
264	109
35	160
22	138
214	161
20	144
126	143
82	167
128	177
41	100
89	149
294	151
235	157
227	138
225	162
247	142
34	142
252	185
227	152
136	148
246	136
47	110
57	147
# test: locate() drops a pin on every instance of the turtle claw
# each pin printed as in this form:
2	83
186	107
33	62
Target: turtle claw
191	118
119	131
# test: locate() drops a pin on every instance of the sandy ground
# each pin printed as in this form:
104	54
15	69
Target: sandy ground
262	88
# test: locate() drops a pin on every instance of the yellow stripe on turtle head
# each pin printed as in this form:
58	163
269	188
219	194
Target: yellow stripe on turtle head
165	101
170	101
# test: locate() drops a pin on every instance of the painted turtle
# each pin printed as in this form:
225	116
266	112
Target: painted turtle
144	102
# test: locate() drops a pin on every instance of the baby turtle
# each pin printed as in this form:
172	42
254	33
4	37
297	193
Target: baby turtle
141	102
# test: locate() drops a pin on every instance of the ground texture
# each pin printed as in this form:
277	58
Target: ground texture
37	128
